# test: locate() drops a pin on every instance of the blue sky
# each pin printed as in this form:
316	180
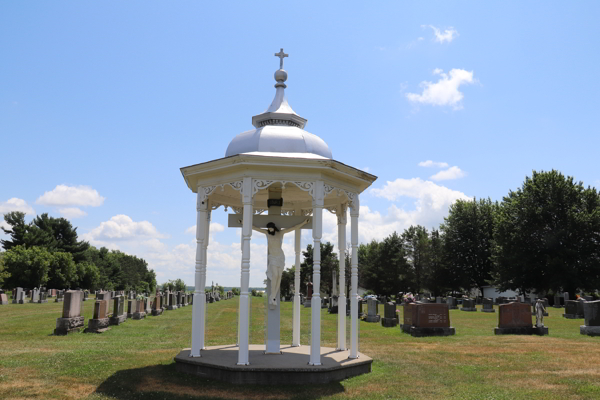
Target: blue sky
102	103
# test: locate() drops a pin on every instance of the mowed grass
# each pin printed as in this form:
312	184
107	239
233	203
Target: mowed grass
135	360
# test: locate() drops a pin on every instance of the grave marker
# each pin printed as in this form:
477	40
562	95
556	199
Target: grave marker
71	320
488	305
372	311
100	322
468	305
119	316
427	319
389	319
515	319
591	311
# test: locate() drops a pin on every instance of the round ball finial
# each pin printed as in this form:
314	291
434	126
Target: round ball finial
280	75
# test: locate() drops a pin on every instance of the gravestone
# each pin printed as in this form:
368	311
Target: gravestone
309	291
100	322
588	298
140	310
191	298
156	306
372	311
17	295
148	305
21	299
571	310
515	319
580	311
361	312
130	308
60	295
172	302
389	319
119	316
106	296
468	305
43	298
35	295
3	299
591	311
557	301
184	299
439	300
427	319
451	302
566	296
488	305
71	320
86	295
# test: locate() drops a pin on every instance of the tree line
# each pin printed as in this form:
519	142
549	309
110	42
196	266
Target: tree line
47	252
542	237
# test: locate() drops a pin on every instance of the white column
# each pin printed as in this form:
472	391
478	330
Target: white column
203	273
317	229
296	319
245	281
199	297
355	205
341	217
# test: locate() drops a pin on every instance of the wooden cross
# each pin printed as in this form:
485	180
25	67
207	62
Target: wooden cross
261	221
281	56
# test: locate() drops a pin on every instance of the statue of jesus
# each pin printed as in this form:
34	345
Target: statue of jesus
275	256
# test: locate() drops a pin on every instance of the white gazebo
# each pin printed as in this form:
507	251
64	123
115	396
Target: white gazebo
280	169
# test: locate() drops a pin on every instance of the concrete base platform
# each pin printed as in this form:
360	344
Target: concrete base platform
422	332
373	318
572	316
468	309
389	322
589	330
117	320
156	312
139	315
65	326
97	326
522	331
288	368
488	310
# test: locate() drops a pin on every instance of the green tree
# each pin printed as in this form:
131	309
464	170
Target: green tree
438	278
3	273
17	230
547	236
27	267
415	241
329	261
469	240
62	271
235	291
287	281
88	276
384	267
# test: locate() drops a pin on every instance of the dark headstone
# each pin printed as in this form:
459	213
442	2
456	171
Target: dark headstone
451	302
119	315
571	310
515	319
389	319
487	305
427	319
468	305
591	311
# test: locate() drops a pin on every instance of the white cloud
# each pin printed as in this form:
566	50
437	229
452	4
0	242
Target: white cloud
215	227
63	195
122	228
430	163
444	92
447	35
448	174
16	204
72	212
430	207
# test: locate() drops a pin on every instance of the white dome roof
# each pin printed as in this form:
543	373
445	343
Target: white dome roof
279	131
291	141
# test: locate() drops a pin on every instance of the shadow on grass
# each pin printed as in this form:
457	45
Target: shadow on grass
164	382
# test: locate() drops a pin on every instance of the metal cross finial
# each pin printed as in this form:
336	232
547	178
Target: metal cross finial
281	56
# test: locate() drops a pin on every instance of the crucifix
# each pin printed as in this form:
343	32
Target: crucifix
268	224
281	56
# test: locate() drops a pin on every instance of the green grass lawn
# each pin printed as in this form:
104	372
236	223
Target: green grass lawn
135	360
